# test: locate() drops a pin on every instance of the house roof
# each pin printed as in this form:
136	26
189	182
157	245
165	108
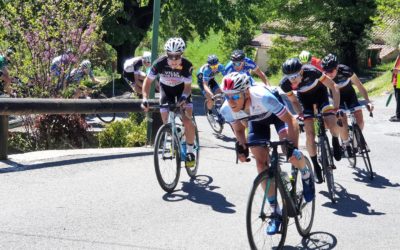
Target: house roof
385	49
265	40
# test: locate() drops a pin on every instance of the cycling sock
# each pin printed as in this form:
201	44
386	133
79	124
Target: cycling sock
315	161
305	173
189	148
274	204
209	112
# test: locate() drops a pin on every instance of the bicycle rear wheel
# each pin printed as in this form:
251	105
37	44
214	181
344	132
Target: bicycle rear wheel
167	160
193	170
362	144
304	220
327	163
106	118
259	213
213	119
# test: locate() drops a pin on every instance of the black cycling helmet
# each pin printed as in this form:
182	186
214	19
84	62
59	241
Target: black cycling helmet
329	62
291	66
237	55
212	59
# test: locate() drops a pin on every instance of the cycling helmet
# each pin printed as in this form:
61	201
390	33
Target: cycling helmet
212	59
305	56
235	82
10	51
146	56
237	55
329	62
85	64
175	45
291	66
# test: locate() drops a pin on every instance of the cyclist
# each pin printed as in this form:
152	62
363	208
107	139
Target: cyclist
307	58
59	66
133	74
84	69
345	78
311	86
257	103
206	79
175	74
4	75
240	63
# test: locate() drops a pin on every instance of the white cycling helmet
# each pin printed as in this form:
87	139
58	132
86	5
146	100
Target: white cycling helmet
146	56
85	64
235	82
175	45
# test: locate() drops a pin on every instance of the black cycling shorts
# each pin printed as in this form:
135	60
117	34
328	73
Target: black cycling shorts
170	94
260	130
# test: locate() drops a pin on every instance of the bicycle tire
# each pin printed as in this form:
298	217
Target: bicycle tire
212	119
193	170
165	141
106	118
327	162
353	159
257	220
304	220
364	151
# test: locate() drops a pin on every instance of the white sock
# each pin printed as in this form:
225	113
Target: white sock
305	173
189	148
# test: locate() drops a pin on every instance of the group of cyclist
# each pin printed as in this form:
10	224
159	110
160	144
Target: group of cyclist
308	82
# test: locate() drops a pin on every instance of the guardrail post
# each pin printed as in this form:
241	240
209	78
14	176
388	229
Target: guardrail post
3	136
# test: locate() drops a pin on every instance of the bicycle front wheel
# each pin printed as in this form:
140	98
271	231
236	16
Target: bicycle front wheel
362	145
212	119
192	171
167	160
259	214
106	118
305	218
327	164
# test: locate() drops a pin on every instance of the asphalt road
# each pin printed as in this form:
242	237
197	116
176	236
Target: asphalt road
110	199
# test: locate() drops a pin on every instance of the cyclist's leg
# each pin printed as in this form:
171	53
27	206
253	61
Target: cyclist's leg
165	97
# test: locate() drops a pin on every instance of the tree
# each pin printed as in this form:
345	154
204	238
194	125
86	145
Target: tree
341	25
389	11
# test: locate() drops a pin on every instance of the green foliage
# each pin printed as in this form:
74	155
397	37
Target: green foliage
281	50
126	133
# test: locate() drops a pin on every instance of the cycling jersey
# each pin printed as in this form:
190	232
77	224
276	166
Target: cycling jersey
264	110
348	96
205	74
77	75
310	91
316	62
3	62
395	76
248	65
171	77
57	62
133	65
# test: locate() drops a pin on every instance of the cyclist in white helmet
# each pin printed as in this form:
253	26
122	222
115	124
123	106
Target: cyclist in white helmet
175	74
84	69
134	71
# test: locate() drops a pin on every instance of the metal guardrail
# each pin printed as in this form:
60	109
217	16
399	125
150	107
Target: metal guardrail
23	106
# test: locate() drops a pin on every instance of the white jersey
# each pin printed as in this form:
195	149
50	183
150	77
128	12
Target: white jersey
263	105
133	64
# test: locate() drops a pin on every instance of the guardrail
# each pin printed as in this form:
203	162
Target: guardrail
23	106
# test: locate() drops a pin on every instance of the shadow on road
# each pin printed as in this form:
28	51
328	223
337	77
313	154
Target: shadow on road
378	181
16	167
200	191
349	205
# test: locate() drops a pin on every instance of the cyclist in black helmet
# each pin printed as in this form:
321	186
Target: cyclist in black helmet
345	78
242	64
311	86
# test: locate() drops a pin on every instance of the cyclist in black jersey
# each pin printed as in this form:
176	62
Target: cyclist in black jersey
311	87
344	79
175	74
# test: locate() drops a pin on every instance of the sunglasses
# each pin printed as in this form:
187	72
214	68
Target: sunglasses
236	64
234	97
174	57
293	76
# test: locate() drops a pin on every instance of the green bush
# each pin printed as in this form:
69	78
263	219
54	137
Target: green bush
126	133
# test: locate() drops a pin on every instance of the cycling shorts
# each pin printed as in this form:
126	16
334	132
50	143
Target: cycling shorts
349	100
320	99
170	94
260	130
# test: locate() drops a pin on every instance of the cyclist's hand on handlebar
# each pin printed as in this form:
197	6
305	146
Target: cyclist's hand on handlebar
145	105
370	107
339	115
182	100
242	152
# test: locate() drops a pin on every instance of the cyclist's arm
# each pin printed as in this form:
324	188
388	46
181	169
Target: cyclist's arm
94	80
332	86
146	87
207	88
295	102
187	90
356	81
262	76
293	127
